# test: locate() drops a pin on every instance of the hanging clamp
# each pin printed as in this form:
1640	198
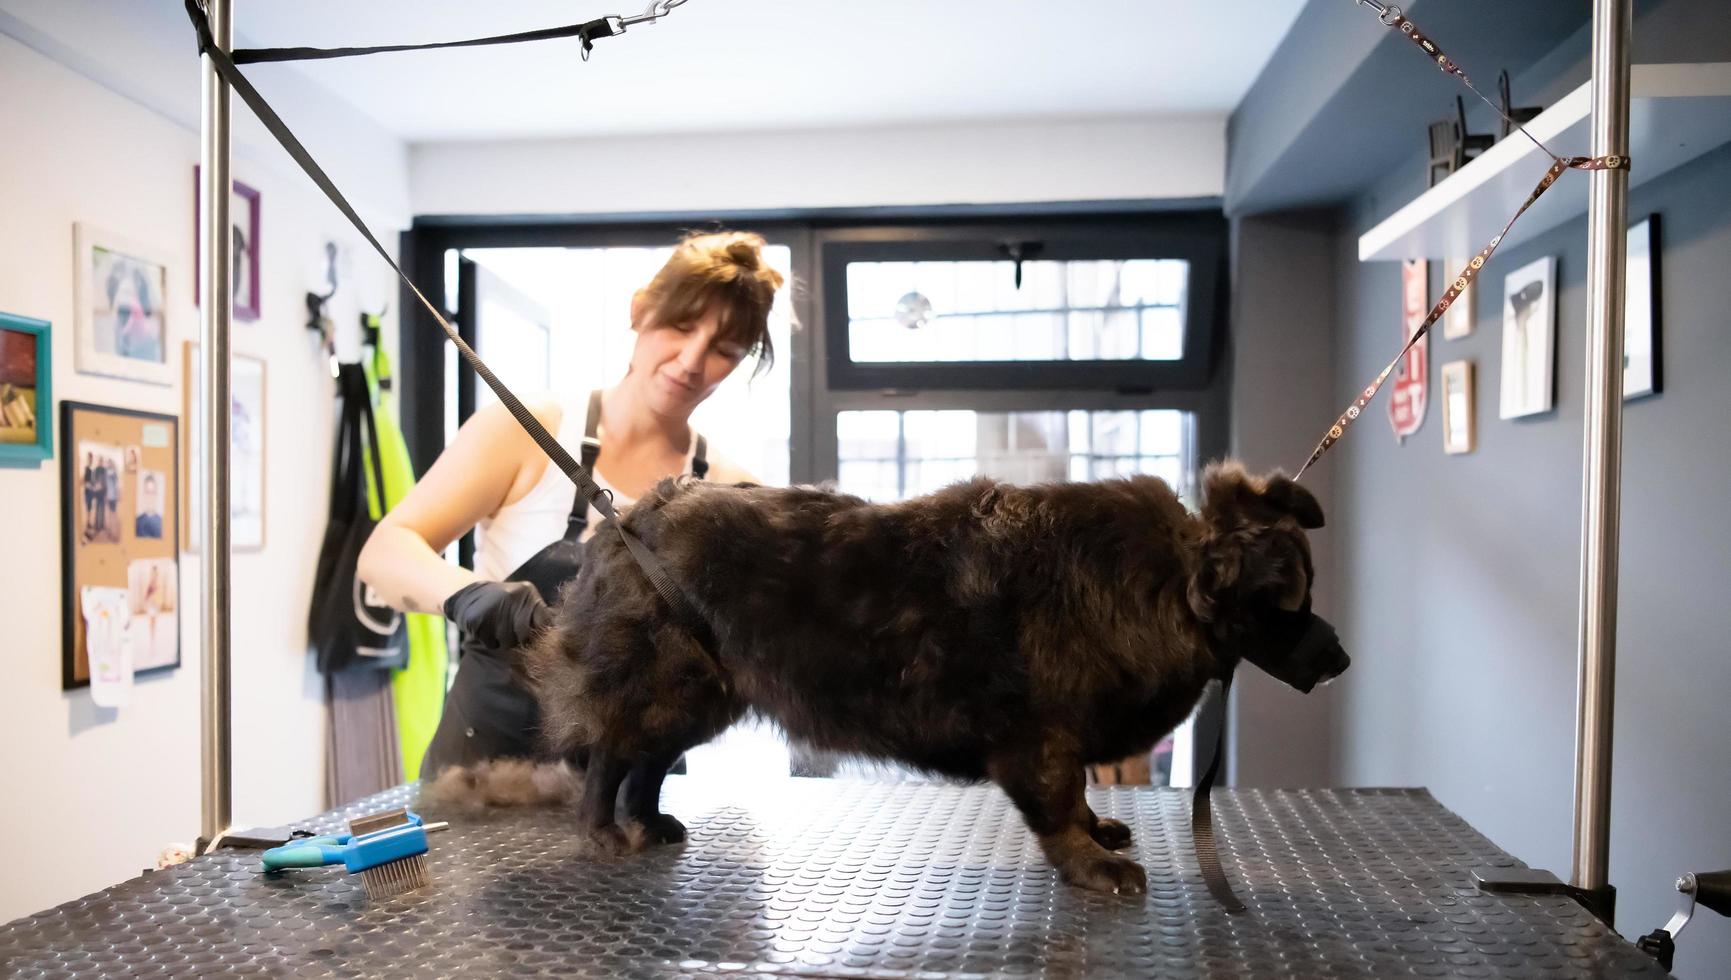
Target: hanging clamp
656	10
617	24
1387	13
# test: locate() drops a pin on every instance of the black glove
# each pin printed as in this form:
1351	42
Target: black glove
498	617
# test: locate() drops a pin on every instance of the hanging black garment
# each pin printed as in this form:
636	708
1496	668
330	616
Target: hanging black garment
488	714
347	627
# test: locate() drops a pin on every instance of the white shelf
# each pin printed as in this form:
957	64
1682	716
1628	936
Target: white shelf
1676	113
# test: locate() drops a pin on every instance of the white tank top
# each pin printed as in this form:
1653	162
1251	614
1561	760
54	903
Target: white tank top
507	539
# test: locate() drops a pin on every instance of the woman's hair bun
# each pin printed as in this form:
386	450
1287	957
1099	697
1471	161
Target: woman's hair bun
746	249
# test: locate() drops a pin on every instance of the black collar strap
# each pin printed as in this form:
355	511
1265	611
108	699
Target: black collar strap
670	593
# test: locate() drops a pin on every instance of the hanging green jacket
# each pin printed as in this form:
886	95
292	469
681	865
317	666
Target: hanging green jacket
418	690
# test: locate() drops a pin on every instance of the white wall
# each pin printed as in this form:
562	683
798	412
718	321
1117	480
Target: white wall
972	163
93	795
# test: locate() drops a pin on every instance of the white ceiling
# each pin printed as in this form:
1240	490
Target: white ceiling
776	64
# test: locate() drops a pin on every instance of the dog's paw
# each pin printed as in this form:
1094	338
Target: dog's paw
1106	873
657	828
1111	834
603	842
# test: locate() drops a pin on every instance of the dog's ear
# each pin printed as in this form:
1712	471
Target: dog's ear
1230	495
1288	497
1227	492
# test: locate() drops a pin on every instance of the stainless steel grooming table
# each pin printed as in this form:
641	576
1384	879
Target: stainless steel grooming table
821	878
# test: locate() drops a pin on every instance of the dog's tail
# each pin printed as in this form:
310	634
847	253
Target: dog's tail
506	782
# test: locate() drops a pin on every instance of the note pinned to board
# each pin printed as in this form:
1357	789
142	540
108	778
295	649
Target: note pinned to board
108	639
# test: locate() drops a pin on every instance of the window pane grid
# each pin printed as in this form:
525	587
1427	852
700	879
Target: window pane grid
1119	309
893	455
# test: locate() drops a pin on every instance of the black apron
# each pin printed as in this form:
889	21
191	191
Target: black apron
488	714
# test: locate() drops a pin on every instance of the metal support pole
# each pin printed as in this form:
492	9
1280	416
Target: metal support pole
216	303
1607	230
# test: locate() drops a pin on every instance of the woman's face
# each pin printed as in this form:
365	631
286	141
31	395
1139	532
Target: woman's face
681	364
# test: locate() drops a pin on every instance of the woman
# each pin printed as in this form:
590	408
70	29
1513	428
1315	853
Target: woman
696	320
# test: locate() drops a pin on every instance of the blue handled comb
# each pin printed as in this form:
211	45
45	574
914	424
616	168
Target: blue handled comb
389	861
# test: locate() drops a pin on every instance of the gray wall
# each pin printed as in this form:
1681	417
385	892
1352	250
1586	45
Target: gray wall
1282	363
1458	575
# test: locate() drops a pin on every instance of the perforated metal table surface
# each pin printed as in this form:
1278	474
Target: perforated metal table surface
821	878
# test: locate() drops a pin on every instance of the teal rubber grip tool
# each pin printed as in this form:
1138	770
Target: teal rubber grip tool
312	852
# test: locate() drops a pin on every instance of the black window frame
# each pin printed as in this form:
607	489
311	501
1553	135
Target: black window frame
1197	237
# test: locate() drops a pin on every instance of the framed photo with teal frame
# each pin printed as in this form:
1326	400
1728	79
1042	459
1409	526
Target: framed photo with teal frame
26	396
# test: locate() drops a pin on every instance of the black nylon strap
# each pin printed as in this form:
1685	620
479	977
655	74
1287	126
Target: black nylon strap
602	500
577	521
601	27
1202	819
374	455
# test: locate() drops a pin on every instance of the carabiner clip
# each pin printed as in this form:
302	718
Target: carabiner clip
1387	14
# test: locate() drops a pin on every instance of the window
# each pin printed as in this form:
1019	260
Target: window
886	455
1109	309
1122	306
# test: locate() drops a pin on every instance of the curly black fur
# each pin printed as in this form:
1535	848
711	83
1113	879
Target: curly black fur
986	631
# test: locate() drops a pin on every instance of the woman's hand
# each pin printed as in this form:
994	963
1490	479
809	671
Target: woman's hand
498	617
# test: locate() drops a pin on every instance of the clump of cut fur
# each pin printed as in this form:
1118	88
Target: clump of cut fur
507	782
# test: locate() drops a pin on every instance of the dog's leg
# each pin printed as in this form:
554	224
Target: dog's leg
1113	835
642	801
601	780
1047	788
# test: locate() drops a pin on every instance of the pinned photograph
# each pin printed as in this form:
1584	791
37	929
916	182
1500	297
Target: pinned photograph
25	424
148	520
1458	407
1529	339
100	471
152	601
1641	375
122	327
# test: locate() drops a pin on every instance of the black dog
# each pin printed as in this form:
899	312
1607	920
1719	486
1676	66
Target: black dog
986	631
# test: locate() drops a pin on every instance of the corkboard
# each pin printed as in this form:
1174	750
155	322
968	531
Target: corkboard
119	513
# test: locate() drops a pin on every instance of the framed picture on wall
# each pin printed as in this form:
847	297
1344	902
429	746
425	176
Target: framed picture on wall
244	214
1458	404
122	325
120	564
1641	363
1529	339
246	459
26	398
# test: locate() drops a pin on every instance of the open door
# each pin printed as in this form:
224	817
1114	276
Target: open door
512	333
